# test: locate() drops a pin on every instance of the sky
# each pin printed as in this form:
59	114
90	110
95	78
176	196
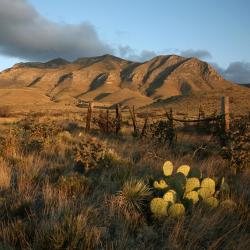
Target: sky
217	31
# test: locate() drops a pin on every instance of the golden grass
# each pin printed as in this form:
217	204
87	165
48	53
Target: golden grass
5	174
46	204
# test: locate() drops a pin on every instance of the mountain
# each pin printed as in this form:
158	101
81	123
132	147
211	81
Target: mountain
247	85
108	79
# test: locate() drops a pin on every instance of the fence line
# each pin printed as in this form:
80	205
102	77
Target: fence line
223	117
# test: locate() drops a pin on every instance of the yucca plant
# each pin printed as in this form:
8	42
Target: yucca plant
133	198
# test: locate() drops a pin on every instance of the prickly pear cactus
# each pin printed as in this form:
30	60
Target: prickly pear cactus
195	173
191	184
160	184
176	210
184	189
192	196
181	178
170	196
205	193
211	202
158	207
168	168
183	169
208	183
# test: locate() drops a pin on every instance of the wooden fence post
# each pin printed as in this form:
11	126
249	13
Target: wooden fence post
107	120
225	111
118	118
89	115
144	126
132	113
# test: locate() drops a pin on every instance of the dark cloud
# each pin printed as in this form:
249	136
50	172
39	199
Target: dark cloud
129	53
201	54
25	34
238	72
28	35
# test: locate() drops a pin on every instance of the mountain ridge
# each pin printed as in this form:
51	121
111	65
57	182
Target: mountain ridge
105	78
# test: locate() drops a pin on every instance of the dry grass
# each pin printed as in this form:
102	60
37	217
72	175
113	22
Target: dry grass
46	204
5	111
5	174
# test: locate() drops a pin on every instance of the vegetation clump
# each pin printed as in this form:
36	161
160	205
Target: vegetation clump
183	192
88	153
236	146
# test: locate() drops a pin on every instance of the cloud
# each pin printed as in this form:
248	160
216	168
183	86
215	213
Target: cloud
238	72
201	54
131	54
28	35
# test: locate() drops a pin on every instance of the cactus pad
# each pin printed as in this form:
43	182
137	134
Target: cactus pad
181	178
211	202
205	193
195	172
192	196
175	184
168	168
208	183
192	183
183	169
158	207
176	210
170	196
160	184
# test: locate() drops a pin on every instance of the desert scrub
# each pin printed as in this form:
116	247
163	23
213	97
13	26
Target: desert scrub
105	125
182	192
162	132
9	144
236	145
88	153
33	135
73	186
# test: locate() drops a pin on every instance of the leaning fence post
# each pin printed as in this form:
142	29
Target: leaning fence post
143	132
107	120
89	115
132	113
118	118
225	111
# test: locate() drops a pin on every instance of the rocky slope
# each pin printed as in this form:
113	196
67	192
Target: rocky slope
108	79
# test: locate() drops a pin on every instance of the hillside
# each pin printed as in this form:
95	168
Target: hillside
108	80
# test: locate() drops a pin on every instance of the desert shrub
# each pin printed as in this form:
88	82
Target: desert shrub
162	132
9	144
34	136
105	125
184	190
88	153
236	146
